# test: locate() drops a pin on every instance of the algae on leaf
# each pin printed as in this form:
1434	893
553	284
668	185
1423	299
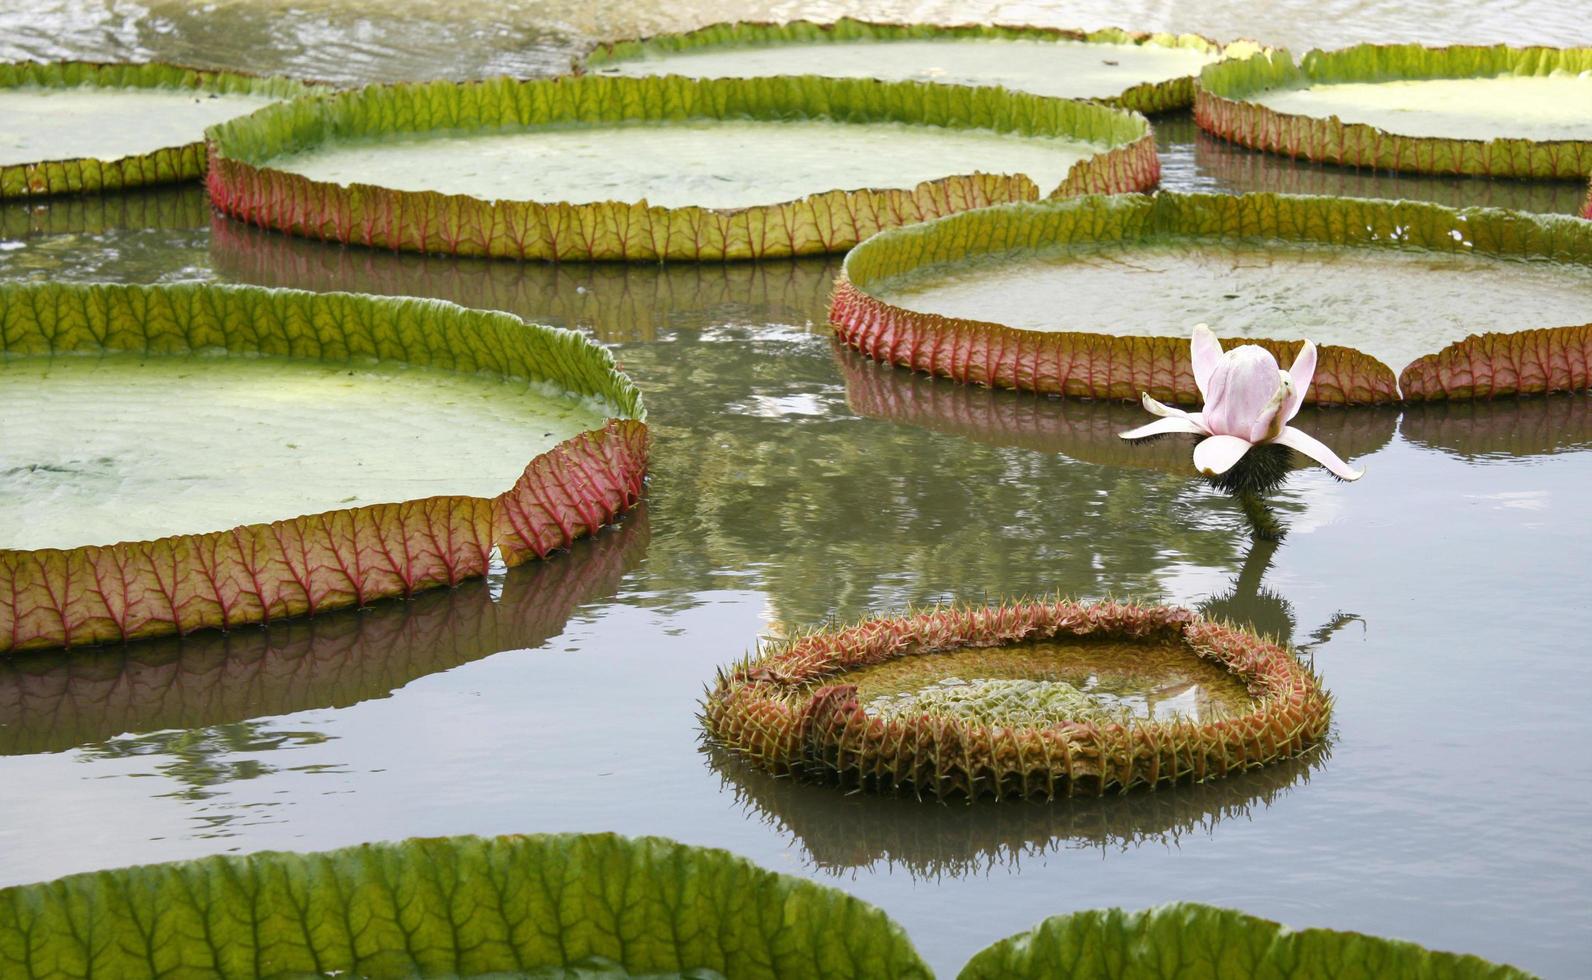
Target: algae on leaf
1188	941
1145	72
75	127
466	213
457	906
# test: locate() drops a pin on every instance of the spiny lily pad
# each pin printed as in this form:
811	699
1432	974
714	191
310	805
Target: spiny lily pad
1146	72
1494	111
1175	699
52	701
1198	942
1088	431
557	907
222	390
73	126
618	302
659	168
972	296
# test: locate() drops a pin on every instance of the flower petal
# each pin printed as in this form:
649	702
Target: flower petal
1302	372
1205	351
1164	411
1161	427
1243	390
1317	450
1218	454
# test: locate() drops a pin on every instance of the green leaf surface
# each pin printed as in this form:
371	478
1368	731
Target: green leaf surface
1146	97
460	906
166	165
1187	941
1222	92
244	185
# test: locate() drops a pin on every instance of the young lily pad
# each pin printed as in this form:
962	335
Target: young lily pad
1110	697
73	127
972	296
659	168
1146	72
1198	942
1494	111
222	390
52	701
556	907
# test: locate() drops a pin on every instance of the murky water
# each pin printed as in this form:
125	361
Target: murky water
1441	598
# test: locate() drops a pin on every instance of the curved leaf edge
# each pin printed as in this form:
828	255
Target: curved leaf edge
244	186
1101	365
1221	108
171	164
1146	97
347	557
788	709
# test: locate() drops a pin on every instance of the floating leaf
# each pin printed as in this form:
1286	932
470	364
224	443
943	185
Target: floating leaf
819	48
259	572
244	183
459	906
1109	365
1197	942
113	169
1226	103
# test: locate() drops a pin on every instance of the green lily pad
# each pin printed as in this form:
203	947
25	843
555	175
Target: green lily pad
659	168
73	126
221	390
559	907
1494	111
1122	696
1146	72
1198	942
972	297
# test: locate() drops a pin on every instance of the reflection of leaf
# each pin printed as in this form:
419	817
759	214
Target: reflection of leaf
929	840
244	185
461	906
1198	942
54	701
618	302
181	207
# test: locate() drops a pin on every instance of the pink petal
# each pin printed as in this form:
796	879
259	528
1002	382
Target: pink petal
1161	427
1242	388
1317	450
1164	411
1302	372
1218	454
1206	352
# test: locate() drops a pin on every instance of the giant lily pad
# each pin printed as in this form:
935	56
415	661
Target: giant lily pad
658	168
404	426
1146	72
1036	700
1494	111
74	127
1195	942
972	296
52	701
555	907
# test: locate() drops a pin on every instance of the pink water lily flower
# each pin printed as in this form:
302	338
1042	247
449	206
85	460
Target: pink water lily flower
1249	401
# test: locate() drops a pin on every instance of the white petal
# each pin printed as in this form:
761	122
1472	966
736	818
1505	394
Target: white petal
1161	427
1205	351
1218	454
1302	373
1317	450
1164	411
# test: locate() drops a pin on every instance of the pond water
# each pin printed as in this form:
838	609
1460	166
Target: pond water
1442	598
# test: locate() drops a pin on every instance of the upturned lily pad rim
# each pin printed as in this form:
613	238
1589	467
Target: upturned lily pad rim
517	904
54	597
1146	96
1533	360
1223	91
170	164
244	185
787	708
